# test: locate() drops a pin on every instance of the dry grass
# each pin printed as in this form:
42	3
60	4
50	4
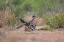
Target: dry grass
1	24
40	21
8	17
1	18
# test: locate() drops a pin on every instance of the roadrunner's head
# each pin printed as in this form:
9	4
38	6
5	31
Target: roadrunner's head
34	16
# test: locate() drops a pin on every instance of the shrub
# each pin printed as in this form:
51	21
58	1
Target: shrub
9	18
56	21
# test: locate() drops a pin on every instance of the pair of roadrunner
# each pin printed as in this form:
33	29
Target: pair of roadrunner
31	25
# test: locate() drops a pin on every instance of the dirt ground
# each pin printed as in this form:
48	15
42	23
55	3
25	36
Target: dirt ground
19	35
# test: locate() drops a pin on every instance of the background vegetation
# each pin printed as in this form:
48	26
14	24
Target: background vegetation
46	9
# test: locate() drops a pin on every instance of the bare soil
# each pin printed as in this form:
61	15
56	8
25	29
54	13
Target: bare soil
19	35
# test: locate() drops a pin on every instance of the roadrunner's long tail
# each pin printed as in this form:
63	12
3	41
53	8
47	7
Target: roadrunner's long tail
20	26
22	21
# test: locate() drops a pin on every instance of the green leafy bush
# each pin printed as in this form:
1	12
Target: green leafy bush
56	21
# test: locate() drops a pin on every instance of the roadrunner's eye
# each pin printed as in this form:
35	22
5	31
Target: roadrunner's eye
33	16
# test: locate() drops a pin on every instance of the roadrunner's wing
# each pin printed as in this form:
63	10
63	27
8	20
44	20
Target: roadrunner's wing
20	26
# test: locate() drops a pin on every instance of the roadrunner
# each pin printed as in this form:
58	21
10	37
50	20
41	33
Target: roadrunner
31	25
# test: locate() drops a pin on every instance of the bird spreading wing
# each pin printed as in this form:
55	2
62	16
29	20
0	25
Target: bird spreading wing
23	21
20	26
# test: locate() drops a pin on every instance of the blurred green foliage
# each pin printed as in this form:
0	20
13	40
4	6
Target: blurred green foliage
20	7
2	4
38	7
